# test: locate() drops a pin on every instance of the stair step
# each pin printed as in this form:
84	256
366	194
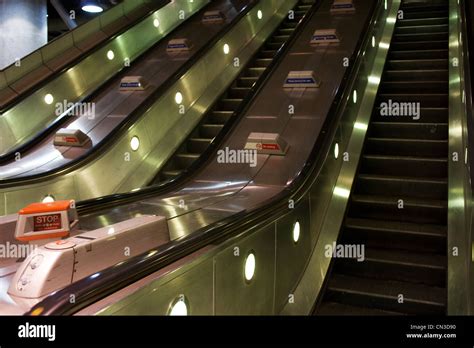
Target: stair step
210	130
423	29
385	295
239	93
185	160
419	87
425	100
220	117
422	22
425	211
171	174
405	166
419	54
401	187
406	147
417	64
198	145
415	45
407	130
421	238
247	81
414	75
339	309
427	115
397	265
420	37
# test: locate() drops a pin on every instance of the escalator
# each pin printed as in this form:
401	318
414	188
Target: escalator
231	103
398	205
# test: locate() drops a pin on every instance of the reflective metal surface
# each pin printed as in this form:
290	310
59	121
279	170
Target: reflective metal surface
111	106
119	169
280	262
33	114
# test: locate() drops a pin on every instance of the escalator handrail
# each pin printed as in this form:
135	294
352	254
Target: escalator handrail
96	151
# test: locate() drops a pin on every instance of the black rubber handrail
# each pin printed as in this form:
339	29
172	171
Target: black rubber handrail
89	291
75	61
97	150
59	121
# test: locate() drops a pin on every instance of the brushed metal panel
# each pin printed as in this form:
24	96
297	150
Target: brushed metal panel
291	257
196	284
233	294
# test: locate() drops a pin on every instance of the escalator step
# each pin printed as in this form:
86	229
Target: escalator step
239	92
417	64
422	22
254	72
385	295
425	100
415	130
404	266
397	186
334	308
427	115
411	75
267	54
262	62
424	211
423	29
210	130
420	87
171	174
220	117
420	238
198	145
405	166
247	81
424	13
406	147
185	160
419	54
229	104
413	46
397	38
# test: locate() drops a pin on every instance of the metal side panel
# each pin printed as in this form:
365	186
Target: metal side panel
460	247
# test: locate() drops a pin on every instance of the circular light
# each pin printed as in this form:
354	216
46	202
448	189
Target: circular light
296	232
179	307
249	270
156	23
92	9
178	98
48	199
135	143
373	41
354	97
260	14
110	55
226	49
336	151
49	99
